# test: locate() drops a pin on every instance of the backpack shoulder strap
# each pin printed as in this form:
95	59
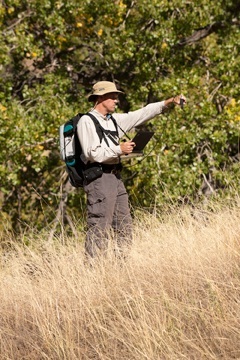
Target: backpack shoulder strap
99	128
103	132
74	121
115	124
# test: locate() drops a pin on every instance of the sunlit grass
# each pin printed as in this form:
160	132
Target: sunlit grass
176	296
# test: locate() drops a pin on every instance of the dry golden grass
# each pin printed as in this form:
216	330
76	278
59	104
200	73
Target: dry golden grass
177	296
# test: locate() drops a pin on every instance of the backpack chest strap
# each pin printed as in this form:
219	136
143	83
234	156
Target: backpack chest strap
105	133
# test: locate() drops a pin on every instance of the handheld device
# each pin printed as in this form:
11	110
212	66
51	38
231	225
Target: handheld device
140	139
181	102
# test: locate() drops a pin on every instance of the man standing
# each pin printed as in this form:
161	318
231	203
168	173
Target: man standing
107	199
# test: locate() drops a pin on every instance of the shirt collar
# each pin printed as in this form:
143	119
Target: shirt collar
97	113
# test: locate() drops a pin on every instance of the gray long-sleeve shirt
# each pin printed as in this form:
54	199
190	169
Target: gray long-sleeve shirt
96	151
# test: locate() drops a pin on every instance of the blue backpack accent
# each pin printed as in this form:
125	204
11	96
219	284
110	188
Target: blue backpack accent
80	173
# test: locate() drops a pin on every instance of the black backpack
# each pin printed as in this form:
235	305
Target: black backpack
80	173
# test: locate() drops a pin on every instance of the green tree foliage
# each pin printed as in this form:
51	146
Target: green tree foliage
53	51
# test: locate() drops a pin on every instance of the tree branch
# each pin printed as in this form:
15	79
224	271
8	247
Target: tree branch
205	31
61	214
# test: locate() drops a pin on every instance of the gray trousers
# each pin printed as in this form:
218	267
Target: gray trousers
108	213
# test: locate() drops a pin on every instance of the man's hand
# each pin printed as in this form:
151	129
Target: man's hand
176	100
179	100
127	147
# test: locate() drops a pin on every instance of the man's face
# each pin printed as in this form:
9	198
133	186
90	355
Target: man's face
109	102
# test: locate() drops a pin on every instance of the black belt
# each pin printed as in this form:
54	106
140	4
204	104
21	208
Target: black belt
111	168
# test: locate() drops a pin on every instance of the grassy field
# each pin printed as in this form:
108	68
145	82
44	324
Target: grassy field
176	296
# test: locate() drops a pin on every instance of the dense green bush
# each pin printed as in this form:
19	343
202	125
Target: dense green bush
52	52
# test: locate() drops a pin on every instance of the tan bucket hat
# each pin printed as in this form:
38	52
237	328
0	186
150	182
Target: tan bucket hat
102	88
